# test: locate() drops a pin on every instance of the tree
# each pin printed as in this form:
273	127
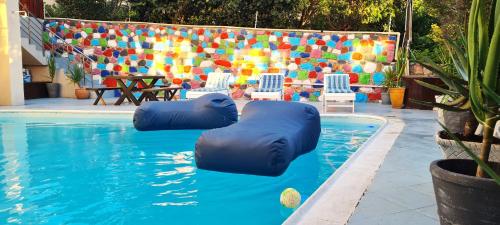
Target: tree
216	12
451	15
351	15
89	9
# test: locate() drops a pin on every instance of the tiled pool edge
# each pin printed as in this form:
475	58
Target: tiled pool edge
336	199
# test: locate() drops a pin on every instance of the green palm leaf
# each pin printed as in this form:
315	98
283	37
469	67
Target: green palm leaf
436	88
491	94
458	55
439	105
490	78
454	83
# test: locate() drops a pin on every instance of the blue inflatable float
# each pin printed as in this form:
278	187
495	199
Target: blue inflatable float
206	112
268	137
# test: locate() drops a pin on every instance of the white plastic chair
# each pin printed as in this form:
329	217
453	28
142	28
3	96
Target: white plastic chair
270	87
336	88
216	83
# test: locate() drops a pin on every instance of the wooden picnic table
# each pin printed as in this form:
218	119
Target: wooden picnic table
128	90
169	92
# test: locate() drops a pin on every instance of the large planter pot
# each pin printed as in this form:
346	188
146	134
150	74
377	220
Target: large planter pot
82	93
54	90
386	99
462	198
452	150
397	97
454	121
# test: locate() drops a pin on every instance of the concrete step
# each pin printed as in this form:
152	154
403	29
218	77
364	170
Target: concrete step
32	55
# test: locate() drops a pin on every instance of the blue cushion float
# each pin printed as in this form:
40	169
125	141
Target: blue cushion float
206	112
268	137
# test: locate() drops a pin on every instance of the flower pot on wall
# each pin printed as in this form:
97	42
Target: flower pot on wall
463	198
54	90
397	97
451	149
82	93
386	99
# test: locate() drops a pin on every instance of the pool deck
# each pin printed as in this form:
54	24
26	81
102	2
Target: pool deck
401	191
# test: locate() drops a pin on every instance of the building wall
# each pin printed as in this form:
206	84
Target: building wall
191	52
11	87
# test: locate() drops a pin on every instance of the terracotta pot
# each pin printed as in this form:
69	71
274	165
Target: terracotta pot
463	198
397	97
82	93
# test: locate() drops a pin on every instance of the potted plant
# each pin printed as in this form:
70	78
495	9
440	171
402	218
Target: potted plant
53	89
76	75
455	111
468	191
390	77
397	90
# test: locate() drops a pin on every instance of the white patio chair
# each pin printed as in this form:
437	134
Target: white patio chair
336	88
216	83
270	87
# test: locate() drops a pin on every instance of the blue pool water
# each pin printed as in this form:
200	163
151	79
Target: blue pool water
80	169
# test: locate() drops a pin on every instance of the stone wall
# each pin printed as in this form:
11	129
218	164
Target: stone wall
191	52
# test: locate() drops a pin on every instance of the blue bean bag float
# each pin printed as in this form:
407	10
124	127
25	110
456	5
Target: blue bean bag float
268	137
206	112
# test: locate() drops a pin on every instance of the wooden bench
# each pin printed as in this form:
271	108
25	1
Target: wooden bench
169	93
99	91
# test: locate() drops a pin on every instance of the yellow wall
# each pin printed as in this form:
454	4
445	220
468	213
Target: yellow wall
11	85
67	88
39	73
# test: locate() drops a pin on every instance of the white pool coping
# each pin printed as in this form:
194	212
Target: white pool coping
336	199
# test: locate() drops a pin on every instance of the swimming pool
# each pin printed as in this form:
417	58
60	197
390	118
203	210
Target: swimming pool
97	169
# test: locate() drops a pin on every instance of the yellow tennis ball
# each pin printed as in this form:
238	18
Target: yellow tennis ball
290	198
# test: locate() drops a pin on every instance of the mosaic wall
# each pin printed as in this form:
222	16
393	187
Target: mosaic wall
190	53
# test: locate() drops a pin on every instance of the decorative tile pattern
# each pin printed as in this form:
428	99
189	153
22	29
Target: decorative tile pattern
190	53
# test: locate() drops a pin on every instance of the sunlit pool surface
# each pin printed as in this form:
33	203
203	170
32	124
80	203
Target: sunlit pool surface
81	169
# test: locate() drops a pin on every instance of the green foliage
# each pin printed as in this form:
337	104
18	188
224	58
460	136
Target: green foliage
390	77
352	15
435	20
422	27
51	63
453	73
276	14
89	9
483	48
451	15
400	67
439	55
291	14
76	74
394	74
477	63
439	52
